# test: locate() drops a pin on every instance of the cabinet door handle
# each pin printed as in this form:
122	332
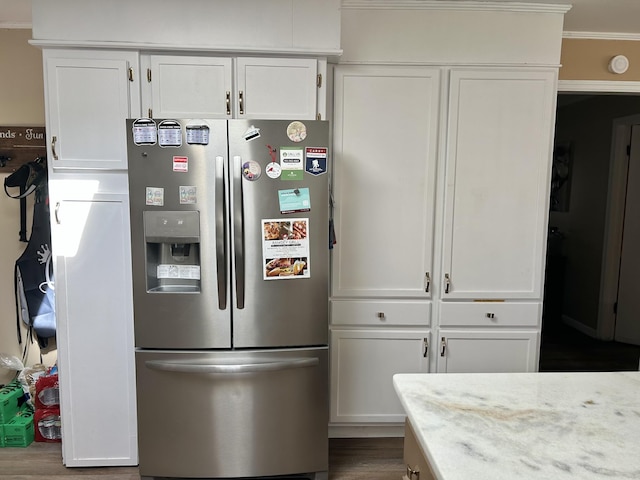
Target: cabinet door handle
426	347
413	473
228	103
491	315
443	347
54	139
380	315
447	283
427	282
241	101
56	211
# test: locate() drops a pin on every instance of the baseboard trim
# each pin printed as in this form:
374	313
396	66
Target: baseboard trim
366	431
581	327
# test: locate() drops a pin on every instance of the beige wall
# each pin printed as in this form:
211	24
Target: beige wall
21	104
588	59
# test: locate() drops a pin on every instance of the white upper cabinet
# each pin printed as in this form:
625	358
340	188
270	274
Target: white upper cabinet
179	86
89	94
497	173
385	138
190	86
276	88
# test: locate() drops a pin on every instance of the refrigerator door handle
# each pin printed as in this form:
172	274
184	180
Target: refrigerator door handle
238	230
181	367
221	251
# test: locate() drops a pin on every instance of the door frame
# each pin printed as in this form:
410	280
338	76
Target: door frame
614	216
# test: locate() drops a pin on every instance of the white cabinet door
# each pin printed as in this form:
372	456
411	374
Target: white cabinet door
276	88
92	263
385	137
363	363
88	96
487	351
497	182
181	86
189	86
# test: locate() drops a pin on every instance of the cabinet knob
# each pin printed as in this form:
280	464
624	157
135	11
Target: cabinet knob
380	315
490	315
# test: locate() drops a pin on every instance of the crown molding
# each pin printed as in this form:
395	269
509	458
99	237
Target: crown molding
601	35
596	86
463	5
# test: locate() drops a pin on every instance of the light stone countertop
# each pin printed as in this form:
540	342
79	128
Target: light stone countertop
551	426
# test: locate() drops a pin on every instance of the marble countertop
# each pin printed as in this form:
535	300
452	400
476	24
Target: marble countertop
580	426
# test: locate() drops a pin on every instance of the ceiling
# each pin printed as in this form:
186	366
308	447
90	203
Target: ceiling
589	16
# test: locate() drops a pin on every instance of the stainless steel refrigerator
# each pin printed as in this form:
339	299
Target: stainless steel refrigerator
229	230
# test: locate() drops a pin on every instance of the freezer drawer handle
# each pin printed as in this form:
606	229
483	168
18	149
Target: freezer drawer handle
180	367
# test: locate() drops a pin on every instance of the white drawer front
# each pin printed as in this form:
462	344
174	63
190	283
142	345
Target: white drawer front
490	314
374	312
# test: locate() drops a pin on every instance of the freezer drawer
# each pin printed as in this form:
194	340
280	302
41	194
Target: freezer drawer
232	414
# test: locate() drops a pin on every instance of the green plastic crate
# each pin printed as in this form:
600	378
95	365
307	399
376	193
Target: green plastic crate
1	435
19	431
10	396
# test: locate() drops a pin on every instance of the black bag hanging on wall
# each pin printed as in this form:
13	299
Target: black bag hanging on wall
35	300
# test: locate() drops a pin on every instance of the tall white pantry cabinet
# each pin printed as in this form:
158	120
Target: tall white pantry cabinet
441	182
99	73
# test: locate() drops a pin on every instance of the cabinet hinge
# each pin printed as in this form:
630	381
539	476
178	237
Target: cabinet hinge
149	75
130	74
319	80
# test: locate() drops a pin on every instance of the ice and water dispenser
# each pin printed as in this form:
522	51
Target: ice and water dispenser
172	243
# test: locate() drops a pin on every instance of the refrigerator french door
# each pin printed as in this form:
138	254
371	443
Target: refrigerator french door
229	226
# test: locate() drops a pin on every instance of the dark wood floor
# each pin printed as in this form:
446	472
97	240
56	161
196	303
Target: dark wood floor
349	459
565	349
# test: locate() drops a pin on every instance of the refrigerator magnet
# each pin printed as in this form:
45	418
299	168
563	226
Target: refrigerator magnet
155	196
273	170
285	249
188	195
291	163
252	133
169	133
316	160
296	131
197	134
144	131
294	200
251	170
180	164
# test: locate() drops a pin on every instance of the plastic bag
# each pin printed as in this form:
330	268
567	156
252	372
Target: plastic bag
11	362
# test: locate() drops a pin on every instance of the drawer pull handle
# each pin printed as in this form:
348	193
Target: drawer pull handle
380	315
491	315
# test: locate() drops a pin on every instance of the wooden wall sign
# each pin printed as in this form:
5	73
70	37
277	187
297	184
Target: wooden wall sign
20	145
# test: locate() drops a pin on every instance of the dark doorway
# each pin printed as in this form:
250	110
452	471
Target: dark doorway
577	217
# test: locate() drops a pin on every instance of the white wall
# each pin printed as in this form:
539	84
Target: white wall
22	100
